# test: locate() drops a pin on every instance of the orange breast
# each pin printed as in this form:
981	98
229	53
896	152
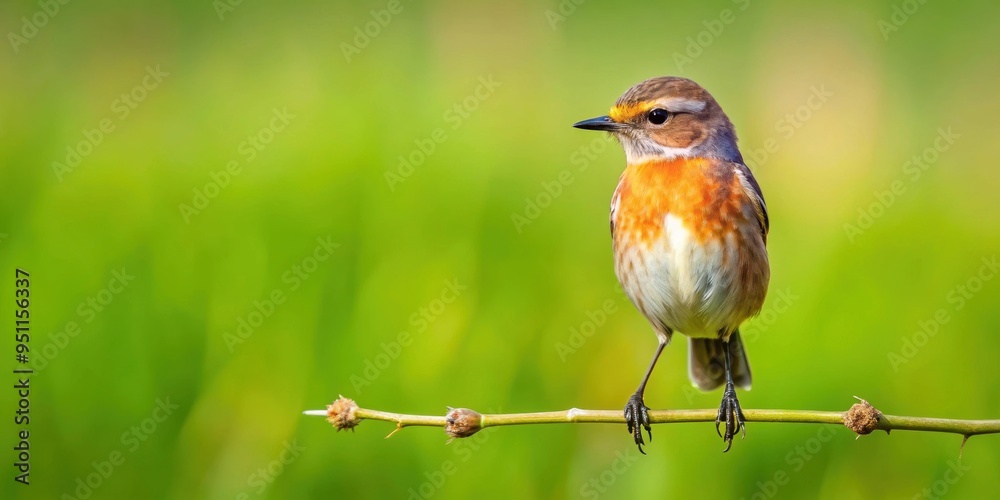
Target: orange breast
703	193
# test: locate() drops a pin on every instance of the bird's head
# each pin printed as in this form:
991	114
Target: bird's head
668	117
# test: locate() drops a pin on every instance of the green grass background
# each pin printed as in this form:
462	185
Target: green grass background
850	302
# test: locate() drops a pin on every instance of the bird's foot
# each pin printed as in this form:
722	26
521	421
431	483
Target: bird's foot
731	414
637	418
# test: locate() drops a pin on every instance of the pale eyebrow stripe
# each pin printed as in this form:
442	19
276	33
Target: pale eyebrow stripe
679	105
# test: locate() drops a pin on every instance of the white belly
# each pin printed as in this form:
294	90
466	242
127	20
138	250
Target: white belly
680	284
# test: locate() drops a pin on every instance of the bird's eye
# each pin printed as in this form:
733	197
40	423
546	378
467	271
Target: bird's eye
658	116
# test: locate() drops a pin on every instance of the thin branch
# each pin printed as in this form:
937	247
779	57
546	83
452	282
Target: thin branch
862	418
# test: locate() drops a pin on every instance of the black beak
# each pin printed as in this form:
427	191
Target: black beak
600	123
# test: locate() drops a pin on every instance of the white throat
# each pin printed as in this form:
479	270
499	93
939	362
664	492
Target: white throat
643	149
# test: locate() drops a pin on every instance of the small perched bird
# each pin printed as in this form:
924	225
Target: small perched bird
689	228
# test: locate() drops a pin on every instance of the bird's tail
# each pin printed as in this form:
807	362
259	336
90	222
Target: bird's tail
707	362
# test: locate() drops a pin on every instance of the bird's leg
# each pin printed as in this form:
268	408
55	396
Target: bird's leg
636	411
730	411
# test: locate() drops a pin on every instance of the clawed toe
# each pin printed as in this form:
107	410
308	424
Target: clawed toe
637	418
731	414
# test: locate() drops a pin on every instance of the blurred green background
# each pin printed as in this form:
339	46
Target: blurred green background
218	156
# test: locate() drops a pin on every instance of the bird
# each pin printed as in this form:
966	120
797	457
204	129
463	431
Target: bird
689	232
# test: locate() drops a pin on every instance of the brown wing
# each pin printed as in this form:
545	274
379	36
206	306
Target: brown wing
756	196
